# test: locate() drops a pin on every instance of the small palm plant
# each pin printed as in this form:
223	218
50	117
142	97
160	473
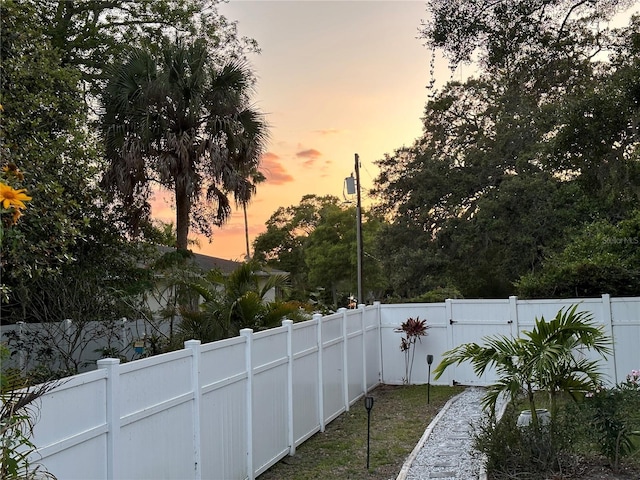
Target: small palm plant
413	329
548	358
231	303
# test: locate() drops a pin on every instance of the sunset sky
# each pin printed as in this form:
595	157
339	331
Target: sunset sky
335	78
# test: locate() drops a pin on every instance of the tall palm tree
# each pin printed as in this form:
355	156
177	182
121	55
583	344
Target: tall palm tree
256	177
178	121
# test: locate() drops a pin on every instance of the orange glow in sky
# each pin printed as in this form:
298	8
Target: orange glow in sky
335	78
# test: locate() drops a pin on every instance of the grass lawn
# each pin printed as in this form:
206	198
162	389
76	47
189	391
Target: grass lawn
399	417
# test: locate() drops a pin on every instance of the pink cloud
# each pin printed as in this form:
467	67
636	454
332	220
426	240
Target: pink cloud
274	170
310	154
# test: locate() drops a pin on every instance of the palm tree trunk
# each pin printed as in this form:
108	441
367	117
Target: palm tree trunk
246	230
182	216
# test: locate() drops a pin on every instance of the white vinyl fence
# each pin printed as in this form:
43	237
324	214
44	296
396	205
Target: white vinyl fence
223	410
230	409
456	322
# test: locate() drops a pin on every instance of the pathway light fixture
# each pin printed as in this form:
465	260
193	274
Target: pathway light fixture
429	362
368	404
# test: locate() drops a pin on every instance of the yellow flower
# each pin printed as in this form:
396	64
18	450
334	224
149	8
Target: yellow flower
10	197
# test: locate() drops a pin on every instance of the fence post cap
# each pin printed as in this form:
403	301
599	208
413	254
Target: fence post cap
107	362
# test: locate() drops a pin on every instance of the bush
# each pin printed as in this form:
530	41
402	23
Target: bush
437	295
614	415
606	422
526	453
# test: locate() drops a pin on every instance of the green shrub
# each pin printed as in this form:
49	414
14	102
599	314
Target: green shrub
438	295
614	415
526	453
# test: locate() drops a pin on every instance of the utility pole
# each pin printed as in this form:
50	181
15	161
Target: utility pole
359	230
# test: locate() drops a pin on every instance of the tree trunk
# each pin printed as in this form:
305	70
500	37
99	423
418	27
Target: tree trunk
246	230
182	216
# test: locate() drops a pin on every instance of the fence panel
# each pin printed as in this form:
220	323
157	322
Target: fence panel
625	319
82	344
435	343
353	348
373	354
306	384
223	424
332	366
270	414
71	429
156	397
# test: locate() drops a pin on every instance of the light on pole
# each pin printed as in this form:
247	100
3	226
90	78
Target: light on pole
429	362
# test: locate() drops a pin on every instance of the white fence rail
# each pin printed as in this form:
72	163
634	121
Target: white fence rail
231	409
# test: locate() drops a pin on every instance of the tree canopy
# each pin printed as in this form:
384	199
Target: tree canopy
56	57
315	241
51	261
515	160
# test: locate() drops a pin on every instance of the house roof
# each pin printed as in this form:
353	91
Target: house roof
207	262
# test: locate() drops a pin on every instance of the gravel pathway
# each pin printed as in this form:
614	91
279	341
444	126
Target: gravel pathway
444	451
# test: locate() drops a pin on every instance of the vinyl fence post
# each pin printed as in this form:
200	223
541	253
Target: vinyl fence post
607	320
247	333
318	318
364	348
345	359
123	337
111	365
194	345
292	442
66	335
513	316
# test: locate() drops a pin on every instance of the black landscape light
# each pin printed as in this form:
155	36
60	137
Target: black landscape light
429	362
368	404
